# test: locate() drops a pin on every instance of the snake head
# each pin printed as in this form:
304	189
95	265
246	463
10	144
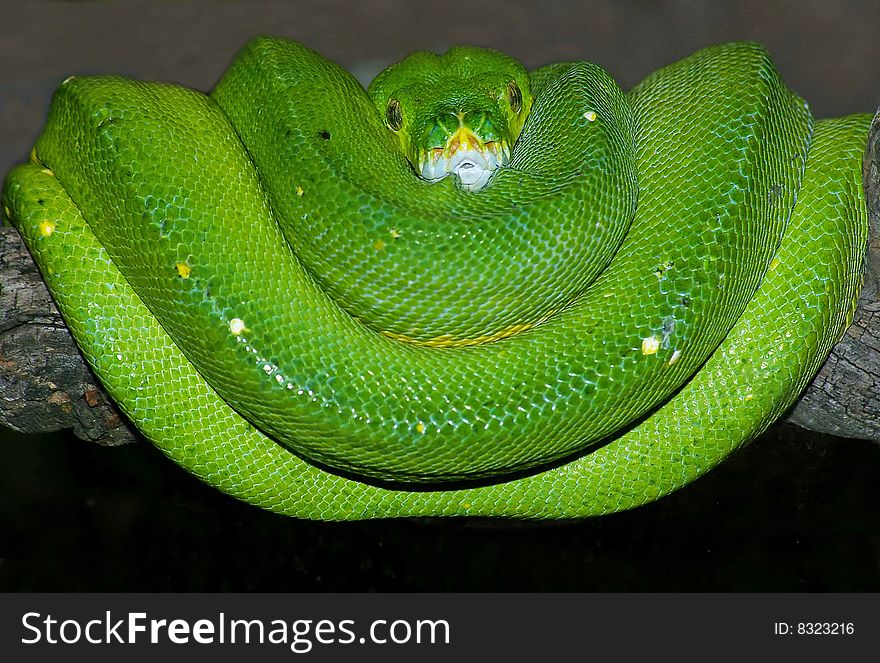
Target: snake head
457	113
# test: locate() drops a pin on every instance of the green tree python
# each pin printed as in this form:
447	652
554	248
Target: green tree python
469	290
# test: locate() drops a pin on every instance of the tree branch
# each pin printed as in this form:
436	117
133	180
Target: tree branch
45	382
844	399
47	386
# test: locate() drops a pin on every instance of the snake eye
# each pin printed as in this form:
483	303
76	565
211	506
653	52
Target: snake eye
393	116
514	96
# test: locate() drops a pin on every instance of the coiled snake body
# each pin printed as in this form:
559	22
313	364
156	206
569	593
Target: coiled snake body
611	292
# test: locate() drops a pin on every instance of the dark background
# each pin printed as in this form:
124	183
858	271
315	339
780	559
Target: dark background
794	511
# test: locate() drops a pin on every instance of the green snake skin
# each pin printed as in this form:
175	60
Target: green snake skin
278	301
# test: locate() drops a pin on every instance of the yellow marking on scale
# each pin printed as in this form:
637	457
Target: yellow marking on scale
394	232
774	263
420	427
378	245
590	116
299	191
650	345
183	270
449	341
47	227
662	269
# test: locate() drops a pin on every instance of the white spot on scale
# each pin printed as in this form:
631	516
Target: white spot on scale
650	345
236	326
590	116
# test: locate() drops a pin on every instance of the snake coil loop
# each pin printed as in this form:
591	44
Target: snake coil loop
281	304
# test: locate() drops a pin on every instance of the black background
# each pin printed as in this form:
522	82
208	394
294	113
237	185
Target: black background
794	511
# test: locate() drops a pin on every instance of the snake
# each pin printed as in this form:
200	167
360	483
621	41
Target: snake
469	289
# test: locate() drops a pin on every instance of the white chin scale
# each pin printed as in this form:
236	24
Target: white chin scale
473	168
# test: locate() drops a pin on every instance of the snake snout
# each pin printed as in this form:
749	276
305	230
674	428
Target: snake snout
467	144
474	168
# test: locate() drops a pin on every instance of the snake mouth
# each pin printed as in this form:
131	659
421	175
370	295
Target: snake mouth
467	156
